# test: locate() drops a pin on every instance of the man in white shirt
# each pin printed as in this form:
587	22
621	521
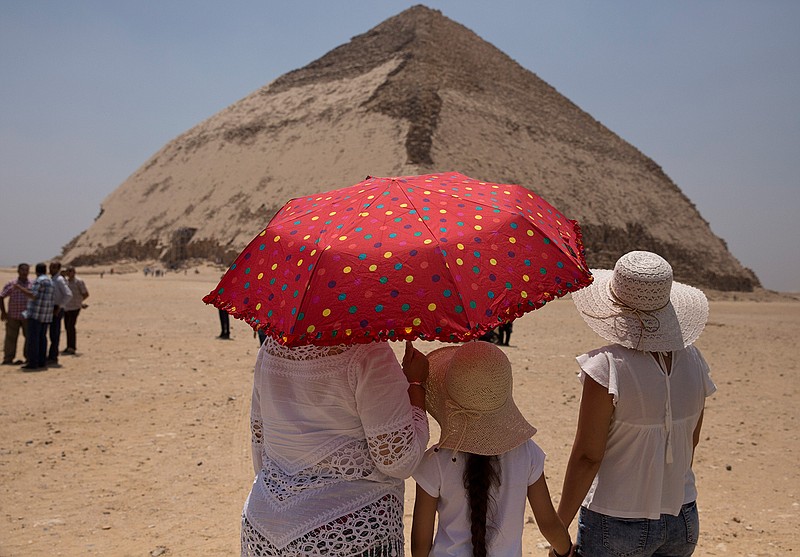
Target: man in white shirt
61	295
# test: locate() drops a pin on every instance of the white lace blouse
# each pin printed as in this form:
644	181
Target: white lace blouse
647	467
333	437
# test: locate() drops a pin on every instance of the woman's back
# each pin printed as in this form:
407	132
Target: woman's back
309	405
334	433
646	470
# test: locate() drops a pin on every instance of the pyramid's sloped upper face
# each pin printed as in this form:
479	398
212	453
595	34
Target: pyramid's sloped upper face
228	175
418	93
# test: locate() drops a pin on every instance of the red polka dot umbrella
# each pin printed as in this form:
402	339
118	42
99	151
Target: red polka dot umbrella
433	257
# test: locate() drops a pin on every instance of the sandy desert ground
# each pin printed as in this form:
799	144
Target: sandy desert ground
139	444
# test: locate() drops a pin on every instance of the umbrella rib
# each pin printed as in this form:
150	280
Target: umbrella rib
351	221
549	234
439	245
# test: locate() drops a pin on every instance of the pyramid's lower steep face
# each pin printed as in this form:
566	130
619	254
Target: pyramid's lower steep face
172	255
621	198
603	243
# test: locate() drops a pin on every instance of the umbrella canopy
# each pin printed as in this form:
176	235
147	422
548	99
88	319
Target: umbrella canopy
433	257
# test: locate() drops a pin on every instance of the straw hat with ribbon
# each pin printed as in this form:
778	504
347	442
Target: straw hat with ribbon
469	394
639	306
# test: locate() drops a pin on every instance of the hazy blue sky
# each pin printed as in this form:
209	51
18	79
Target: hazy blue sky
710	90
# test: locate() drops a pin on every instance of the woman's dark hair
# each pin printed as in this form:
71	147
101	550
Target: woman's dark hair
480	475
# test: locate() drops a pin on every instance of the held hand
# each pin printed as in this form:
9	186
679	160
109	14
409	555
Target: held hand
573	552
415	364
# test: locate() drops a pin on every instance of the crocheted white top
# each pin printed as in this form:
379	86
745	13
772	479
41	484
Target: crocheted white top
333	437
647	467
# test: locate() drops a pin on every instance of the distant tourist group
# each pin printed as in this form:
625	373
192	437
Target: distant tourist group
36	309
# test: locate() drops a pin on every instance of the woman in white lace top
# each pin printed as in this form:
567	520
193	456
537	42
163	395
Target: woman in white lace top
335	431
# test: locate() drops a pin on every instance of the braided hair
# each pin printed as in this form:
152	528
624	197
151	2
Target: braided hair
480	475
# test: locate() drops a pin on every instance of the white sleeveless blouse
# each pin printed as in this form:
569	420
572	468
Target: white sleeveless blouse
646	470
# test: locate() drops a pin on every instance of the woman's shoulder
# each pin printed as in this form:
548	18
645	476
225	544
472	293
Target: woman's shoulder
312	361
309	352
608	356
609	365
613	350
692	351
693	358
370	349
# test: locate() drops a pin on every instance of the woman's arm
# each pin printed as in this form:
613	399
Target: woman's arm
256	421
550	525
256	432
391	411
415	366
696	434
422	523
589	447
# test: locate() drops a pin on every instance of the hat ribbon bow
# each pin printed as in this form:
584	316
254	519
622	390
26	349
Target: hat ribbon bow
647	320
454	409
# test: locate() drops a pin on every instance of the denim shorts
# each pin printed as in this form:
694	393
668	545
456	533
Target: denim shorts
601	535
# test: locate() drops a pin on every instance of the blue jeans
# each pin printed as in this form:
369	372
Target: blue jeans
601	535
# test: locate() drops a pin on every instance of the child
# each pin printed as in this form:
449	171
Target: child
485	464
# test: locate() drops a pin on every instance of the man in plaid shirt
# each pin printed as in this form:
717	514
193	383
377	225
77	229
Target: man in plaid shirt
15	322
39	314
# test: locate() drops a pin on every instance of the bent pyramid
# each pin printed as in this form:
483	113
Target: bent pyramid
417	94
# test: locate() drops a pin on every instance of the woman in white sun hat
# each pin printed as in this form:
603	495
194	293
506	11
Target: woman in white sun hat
630	470
485	466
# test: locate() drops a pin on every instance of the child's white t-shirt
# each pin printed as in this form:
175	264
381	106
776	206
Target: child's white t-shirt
440	477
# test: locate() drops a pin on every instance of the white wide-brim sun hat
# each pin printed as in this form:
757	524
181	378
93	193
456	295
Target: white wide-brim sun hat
469	393
639	306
